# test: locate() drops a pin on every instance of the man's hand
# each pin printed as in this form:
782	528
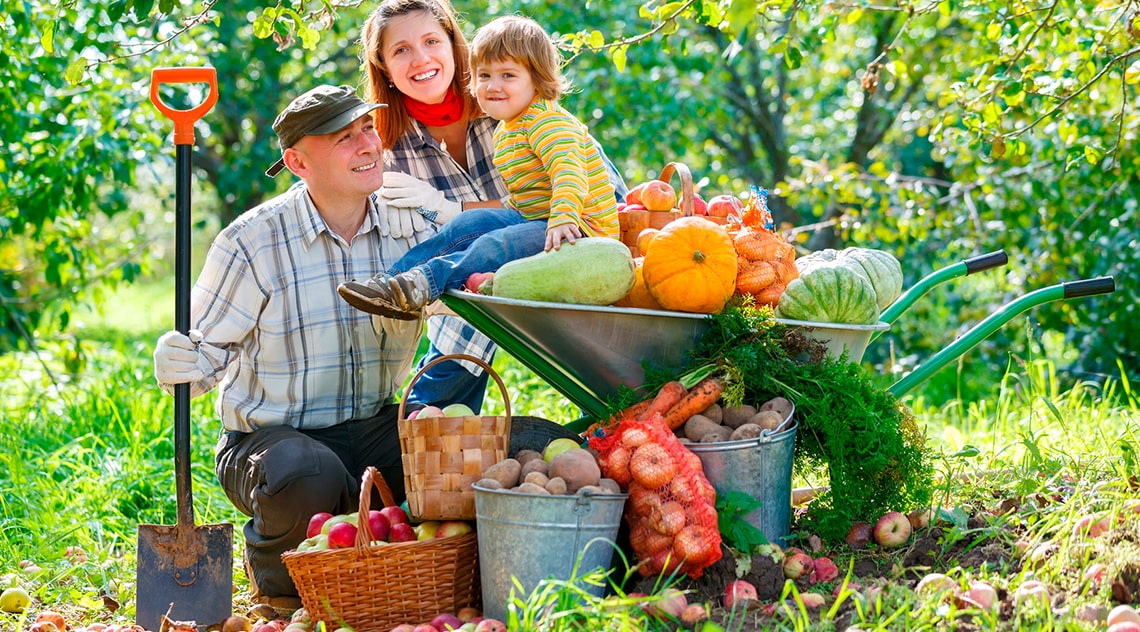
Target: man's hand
554	236
405	192
177	359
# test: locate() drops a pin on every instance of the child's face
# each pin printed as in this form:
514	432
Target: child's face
504	89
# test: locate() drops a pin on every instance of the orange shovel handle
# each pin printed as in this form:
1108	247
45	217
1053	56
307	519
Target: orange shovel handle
184	119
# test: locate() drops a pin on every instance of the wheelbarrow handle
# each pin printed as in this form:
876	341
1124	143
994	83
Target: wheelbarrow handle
982	330
184	119
918	290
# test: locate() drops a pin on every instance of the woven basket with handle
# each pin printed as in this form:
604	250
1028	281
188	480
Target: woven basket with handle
444	456
378	586
631	223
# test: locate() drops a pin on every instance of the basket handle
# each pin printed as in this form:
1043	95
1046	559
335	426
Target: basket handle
686	177
372	478
458	356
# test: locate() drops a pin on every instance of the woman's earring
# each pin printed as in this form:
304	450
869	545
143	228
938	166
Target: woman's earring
391	85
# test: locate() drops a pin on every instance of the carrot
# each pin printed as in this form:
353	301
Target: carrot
666	398
633	412
700	397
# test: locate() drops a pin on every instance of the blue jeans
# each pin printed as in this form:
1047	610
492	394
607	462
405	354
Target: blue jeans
478	240
448	383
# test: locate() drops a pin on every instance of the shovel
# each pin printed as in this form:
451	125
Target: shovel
185	572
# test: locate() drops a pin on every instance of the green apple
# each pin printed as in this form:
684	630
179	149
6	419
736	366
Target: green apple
458	410
558	446
14	600
335	520
426	529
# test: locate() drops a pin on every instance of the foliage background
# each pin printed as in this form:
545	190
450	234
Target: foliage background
933	129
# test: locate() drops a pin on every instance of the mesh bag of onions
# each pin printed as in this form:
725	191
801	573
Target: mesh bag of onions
672	506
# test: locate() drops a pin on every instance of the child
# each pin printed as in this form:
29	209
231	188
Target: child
557	183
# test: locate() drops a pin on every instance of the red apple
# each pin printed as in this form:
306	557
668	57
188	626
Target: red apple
468	613
797	564
700	206
725	205
892	530
629	208
378	524
426	627
401	532
859	535
448	528
824	570
920	518
404	627
342	535
1124	626
980	595
936	585
316	522
670	603
812	600
1031	591
394	515
633	196
693	614
475	280
445	621
737	592
1123	613
658	196
491	625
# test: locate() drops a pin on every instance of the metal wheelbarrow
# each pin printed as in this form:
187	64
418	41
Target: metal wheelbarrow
588	352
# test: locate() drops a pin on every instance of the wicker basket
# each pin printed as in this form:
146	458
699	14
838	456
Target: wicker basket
379	586
631	223
443	456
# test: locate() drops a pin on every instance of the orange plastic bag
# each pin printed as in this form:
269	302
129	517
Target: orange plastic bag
672	506
765	262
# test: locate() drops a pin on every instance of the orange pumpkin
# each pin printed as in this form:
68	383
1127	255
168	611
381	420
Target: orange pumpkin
691	266
639	295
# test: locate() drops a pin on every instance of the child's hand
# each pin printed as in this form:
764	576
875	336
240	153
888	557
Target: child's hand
554	236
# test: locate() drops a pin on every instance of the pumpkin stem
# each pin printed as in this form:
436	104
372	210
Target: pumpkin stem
698	256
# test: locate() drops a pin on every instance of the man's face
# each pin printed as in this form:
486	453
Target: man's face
346	162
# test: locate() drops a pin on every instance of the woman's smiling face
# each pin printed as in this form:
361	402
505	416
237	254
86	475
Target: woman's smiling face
418	56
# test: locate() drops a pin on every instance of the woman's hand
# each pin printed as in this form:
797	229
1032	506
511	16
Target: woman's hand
554	236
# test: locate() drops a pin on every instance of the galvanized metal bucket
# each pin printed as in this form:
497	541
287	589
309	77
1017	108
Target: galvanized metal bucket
532	537
761	468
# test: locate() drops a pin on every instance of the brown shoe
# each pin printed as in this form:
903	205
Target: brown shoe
402	296
285	605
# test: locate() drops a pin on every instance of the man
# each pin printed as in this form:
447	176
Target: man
305	382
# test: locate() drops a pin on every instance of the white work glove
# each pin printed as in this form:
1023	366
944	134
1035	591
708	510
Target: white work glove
399	340
405	192
177	359
400	222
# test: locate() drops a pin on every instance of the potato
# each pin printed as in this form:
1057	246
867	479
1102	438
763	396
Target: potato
767	419
610	485
698	426
591	489
527	455
505	471
780	405
718	434
736	416
746	431
577	467
556	486
531	488
714	412
534	465
489	483
538	478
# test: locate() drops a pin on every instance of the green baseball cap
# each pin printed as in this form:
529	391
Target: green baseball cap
322	110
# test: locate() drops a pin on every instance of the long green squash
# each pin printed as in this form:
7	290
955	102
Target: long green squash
592	271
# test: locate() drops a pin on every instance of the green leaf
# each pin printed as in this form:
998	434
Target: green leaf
116	9
597	40
309	36
263	25
793	57
778	46
75	71
47	39
167	6
993	31
854	15
619	58
1132	74
1093	155
142	8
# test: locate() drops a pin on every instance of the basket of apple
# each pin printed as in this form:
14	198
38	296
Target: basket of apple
444	451
374	568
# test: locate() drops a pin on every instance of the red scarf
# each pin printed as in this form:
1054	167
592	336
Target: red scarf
436	114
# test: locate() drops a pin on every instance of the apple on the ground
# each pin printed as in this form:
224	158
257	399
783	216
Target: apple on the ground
670	604
859	536
738	591
316	522
796	565
892	530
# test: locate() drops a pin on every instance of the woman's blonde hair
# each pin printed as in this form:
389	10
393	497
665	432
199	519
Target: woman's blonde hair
522	40
394	121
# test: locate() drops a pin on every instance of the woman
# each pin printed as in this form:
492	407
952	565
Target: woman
438	147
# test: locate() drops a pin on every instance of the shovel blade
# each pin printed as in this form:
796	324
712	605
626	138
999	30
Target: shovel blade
184	572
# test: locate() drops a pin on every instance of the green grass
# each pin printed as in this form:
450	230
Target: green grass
86	455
